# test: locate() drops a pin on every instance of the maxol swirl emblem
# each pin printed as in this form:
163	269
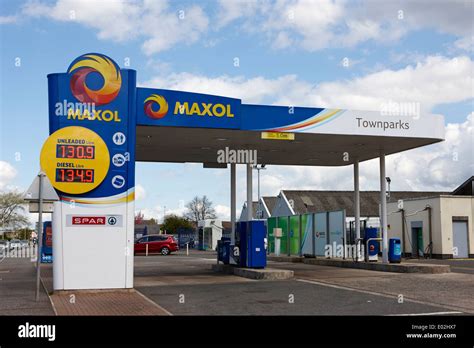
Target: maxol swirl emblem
162	106
95	63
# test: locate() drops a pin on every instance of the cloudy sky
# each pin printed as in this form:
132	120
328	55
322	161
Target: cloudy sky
340	54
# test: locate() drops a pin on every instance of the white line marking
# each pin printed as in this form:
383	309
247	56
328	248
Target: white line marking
394	297
416	314
49	297
152	302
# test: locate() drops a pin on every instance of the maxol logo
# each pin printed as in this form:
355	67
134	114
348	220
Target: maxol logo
107	69
160	105
152	100
105	73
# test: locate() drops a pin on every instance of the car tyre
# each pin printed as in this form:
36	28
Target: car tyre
165	251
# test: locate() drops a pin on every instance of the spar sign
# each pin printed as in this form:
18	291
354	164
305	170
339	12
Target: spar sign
94	220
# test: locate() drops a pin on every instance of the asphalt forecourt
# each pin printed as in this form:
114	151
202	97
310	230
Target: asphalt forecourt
186	285
170	290
17	289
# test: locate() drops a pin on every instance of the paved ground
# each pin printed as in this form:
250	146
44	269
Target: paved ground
101	302
184	285
457	265
17	289
453	291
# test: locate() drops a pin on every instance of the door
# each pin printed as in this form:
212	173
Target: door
201	239
140	245
460	249
421	247
155	243
417	241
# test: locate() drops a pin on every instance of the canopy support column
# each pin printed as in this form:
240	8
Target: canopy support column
249	192
383	209
232	202
357	210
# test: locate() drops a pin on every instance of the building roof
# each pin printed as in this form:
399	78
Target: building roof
316	201
466	188
270	202
226	225
254	208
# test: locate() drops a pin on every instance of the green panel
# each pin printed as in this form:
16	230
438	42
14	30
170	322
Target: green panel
283	224
271	224
295	235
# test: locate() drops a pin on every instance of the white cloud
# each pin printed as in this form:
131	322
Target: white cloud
254	90
465	43
154	21
231	10
149	213
222	212
434	80
7	174
307	24
114	19
8	19
158	211
140	192
314	25
187	26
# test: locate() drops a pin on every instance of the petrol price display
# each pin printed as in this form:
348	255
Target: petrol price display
75	175
75	159
75	151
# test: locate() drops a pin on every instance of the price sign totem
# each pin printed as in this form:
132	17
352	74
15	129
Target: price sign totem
89	158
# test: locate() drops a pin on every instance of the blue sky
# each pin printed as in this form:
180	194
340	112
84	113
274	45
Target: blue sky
288	51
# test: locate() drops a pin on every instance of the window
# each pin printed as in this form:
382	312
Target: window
154	238
143	240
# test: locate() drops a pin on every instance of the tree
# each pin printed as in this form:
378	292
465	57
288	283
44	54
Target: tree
12	209
139	218
199	208
173	222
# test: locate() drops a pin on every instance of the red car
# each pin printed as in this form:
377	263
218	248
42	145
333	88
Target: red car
159	243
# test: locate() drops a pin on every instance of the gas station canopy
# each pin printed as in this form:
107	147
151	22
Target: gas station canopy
176	126
179	145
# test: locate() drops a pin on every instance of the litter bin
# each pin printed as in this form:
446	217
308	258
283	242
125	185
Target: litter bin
226	252
220	250
394	250
223	250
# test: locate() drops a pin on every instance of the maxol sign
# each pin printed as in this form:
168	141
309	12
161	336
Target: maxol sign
92	110
173	108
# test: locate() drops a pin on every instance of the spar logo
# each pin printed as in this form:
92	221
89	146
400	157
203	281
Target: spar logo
151	103
95	63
